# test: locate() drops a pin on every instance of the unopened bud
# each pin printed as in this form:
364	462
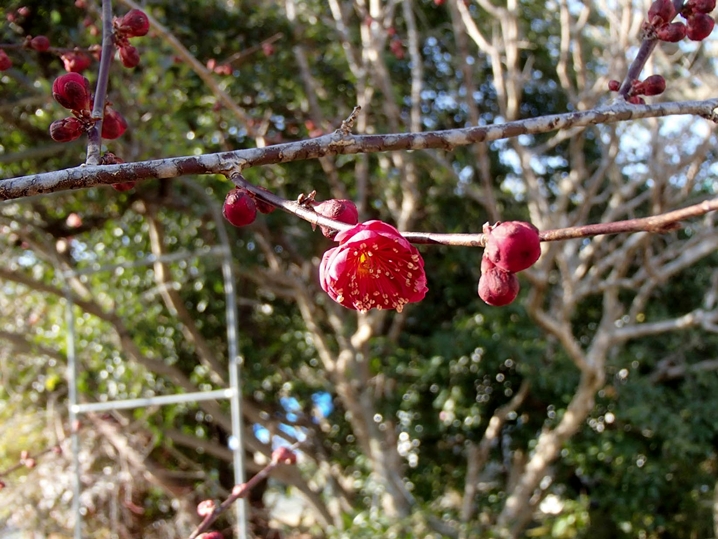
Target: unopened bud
72	91
700	27
239	207
134	23
339	210
40	43
262	206
206	507
661	12
513	245
76	62
498	287
129	56
672	33
113	124
5	62
654	85
284	455
66	129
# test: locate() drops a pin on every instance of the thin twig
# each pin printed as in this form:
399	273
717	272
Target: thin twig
94	137
241	491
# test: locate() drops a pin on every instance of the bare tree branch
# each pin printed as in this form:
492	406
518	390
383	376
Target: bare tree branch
335	144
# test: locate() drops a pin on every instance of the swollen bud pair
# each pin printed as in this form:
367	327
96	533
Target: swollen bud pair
240	206
511	247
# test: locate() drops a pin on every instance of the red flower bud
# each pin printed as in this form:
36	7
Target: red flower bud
239	207
66	129
672	33
72	91
702	6
661	12
262	206
129	56
113	124
30	463
40	43
339	210
134	23
700	26
513	246
123	186
5	62
614	85
654	85
76	62
636	100
284	455
206	507
498	287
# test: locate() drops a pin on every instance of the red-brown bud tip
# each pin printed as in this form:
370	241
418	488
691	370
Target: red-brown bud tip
284	455
239	207
700	26
134	23
614	85
513	246
129	56
72	91
661	12
113	124
654	85
498	287
40	43
66	129
5	62
339	210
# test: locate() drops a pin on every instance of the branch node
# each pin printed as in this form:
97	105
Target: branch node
347	125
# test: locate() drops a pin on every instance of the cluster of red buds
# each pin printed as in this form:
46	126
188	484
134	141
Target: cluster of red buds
133	24
511	247
72	91
653	85
697	27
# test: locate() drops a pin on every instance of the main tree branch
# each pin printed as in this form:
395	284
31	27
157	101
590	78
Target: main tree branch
335	144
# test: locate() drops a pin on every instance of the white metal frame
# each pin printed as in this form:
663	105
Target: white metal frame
233	392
